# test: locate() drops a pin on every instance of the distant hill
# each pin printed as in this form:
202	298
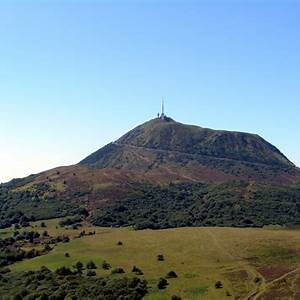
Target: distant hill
153	156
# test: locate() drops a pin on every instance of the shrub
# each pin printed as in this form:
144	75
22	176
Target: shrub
160	257
47	248
106	265
171	274
32	253
91	265
175	297
257	280
162	283
120	243
67	254
137	271
218	285
65	239
79	266
70	221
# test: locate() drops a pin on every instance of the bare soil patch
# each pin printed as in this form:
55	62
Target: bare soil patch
273	272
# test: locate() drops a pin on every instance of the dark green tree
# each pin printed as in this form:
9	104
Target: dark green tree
171	274
79	267
162	283
91	265
106	265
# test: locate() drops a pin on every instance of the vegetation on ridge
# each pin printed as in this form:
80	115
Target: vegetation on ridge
47	285
238	204
19	206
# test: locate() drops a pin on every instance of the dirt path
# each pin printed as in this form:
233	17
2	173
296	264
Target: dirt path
265	287
254	288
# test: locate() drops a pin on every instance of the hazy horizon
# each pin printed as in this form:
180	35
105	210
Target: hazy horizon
76	75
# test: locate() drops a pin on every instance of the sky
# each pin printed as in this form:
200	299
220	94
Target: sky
76	75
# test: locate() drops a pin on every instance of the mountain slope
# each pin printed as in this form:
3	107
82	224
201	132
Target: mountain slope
201	153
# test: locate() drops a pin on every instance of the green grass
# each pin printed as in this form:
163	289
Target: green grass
271	255
199	256
194	293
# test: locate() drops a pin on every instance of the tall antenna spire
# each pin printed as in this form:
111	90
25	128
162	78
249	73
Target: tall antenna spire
162	116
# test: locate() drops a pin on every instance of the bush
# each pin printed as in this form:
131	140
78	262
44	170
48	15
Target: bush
171	274
79	266
257	280
119	243
67	254
160	257
137	271
47	248
162	283
218	285
91	265
175	297
75	226
70	221
106	265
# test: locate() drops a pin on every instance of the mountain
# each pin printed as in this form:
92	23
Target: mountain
168	135
193	167
195	153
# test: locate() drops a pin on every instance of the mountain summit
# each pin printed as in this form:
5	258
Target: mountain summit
193	151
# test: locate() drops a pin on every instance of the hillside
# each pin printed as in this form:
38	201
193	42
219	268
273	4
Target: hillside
159	154
196	153
247	261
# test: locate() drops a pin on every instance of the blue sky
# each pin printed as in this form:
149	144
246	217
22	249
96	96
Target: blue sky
75	75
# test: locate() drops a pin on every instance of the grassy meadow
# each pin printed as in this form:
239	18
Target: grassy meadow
246	261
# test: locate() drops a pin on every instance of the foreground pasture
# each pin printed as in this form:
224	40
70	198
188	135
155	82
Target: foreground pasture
250	263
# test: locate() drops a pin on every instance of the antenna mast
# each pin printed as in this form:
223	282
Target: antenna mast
162	116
